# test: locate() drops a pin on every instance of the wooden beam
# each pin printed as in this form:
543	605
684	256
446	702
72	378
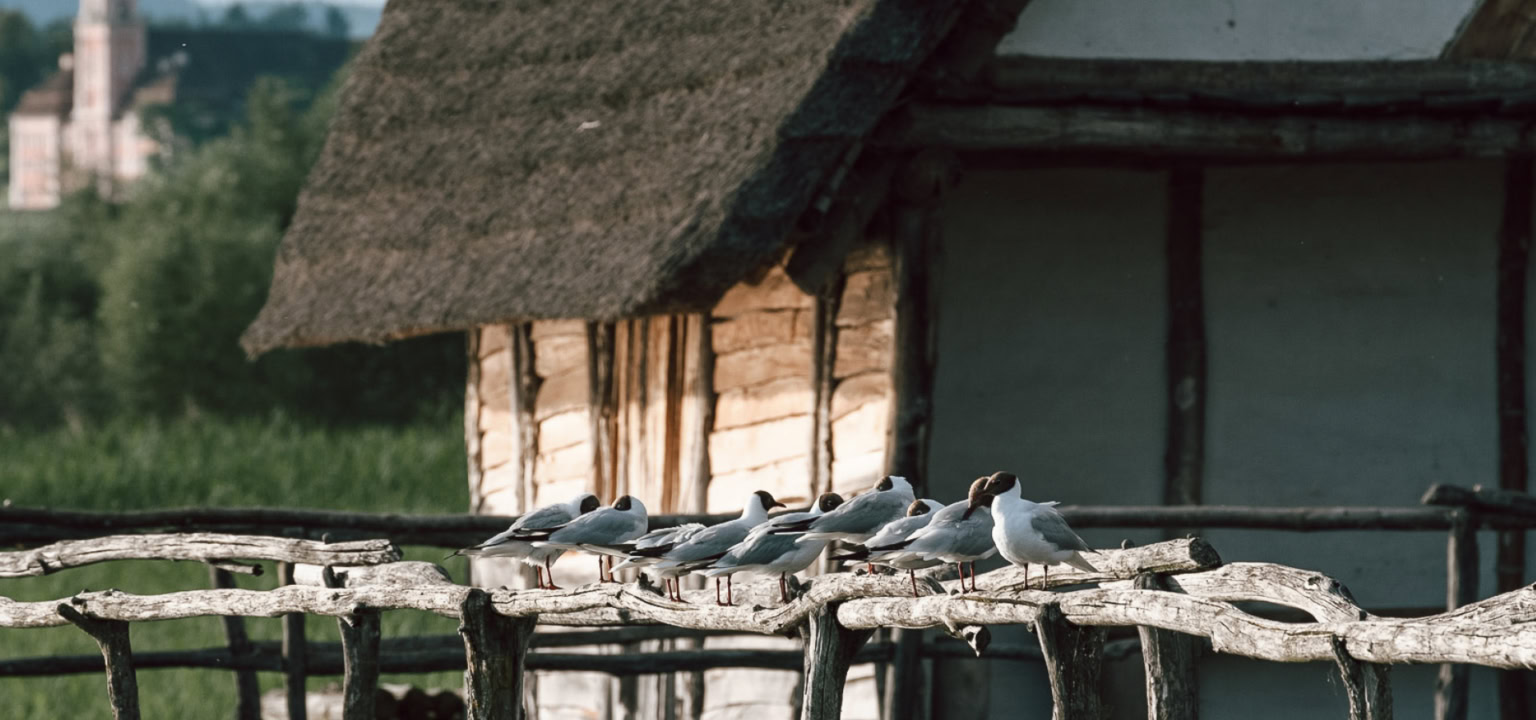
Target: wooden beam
829	650
603	407
1184	452
523	387
201	547
495	647
1514	424
472	417
1014	78
824	381
1169	658
247	689
295	660
117	653
1452	685
1116	134
360	659
1074	663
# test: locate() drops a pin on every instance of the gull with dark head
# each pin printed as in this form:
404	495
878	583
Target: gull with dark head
957	536
512	542
1027	532
620	522
885	548
712	543
765	553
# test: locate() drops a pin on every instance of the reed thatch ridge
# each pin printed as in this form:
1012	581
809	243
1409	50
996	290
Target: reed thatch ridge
497	161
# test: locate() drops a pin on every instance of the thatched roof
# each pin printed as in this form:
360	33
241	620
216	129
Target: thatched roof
514	160
54	96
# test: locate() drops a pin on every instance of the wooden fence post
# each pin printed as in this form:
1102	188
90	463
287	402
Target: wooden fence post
1370	696
495	647
360	659
117	652
1460	589
1173	685
247	690
829	650
1074	662
295	660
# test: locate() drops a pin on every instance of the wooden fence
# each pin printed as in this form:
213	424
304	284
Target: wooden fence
1175	593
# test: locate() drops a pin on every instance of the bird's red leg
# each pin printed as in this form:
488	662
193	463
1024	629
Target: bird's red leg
550	573
871	567
717	592
783	589
913	575
961	567
973	576
1026	575
1045	577
538	574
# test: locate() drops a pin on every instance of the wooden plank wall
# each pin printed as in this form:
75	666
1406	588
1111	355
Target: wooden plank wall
861	397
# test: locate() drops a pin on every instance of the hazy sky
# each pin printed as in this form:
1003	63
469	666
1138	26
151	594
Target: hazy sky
374	3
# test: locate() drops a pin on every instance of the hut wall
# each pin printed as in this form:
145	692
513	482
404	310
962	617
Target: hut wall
1238	29
1349	311
861	396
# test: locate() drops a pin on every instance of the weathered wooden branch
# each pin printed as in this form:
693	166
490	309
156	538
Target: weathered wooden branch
1173	683
247	689
360	658
116	653
829	650
495	647
203	547
295	657
1482	499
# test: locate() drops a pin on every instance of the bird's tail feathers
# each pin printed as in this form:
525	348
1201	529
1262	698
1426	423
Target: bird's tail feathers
1078	561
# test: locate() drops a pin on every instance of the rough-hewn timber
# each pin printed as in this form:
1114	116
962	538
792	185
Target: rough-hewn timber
202	547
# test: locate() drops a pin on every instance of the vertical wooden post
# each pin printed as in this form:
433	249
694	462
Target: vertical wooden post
472	418
495	647
116	650
1184	454
1460	589
829	650
1074	662
360	660
602	402
1173	685
295	657
692	685
1370	694
247	690
1514	426
824	381
523	388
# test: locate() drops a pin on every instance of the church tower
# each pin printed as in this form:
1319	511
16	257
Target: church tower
109	53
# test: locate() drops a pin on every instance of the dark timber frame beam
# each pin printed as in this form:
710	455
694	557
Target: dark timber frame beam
1184	453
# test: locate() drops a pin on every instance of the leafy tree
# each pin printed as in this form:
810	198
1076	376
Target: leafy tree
336	24
237	16
293	17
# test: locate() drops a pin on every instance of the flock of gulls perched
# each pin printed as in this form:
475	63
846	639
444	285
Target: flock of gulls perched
884	526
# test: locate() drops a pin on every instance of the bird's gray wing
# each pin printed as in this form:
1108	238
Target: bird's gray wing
895	533
544	518
765	549
710	542
603	525
862	514
1053	527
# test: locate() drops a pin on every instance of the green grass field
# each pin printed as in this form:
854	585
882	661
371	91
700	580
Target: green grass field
418	469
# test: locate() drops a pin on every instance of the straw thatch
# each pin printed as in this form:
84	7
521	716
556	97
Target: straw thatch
494	161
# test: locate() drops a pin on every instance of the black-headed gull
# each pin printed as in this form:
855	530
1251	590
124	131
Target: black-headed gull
647	550
765	553
1028	532
510	543
860	518
713	542
885	548
956	536
620	522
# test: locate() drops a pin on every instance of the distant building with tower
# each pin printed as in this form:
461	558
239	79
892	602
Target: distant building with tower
87	122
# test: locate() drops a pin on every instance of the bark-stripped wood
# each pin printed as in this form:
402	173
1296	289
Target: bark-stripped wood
295	659
495	647
829	650
602	407
1173	683
360	659
247	689
1184	452
524	389
1074	663
1185	134
824	353
1461	565
202	547
117	653
1514	426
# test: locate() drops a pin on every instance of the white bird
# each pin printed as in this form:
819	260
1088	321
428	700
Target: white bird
509	542
766	553
620	522
885	548
860	518
713	542
1028	532
647	550
956	536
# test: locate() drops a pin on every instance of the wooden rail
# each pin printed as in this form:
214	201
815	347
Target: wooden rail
1195	597
202	547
